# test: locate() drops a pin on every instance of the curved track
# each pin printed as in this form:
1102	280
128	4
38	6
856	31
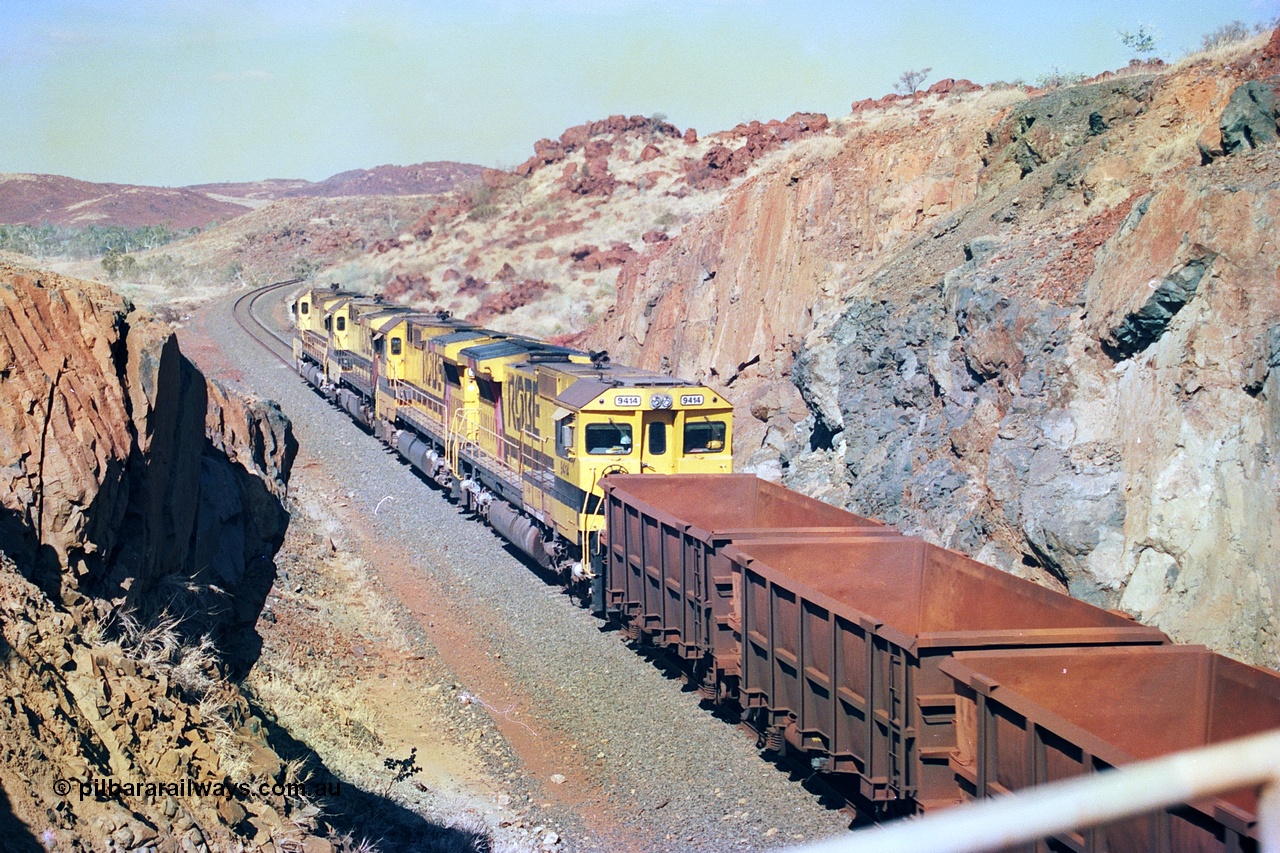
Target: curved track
242	310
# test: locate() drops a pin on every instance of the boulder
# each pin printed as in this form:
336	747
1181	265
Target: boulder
1249	121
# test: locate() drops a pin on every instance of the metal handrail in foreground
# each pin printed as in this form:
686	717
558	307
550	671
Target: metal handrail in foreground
1087	801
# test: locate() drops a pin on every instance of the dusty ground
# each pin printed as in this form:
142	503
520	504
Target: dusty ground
347	669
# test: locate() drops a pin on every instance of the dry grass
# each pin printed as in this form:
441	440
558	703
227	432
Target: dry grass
1223	54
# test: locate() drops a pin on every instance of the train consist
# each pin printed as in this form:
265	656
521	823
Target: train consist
520	430
909	676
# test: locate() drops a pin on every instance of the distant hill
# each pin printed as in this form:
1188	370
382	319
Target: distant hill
419	179
56	200
38	199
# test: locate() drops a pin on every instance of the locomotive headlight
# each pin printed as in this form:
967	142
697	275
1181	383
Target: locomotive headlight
660	401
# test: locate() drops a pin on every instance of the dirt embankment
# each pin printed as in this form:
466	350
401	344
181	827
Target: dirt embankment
1039	327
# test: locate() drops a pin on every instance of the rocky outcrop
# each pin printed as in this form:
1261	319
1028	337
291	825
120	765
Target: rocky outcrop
746	144
127	477
1249	120
1143	327
132	744
140	509
1038	329
596	259
547	152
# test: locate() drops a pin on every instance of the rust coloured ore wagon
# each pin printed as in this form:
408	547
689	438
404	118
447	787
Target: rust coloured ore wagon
665	575
1030	717
841	645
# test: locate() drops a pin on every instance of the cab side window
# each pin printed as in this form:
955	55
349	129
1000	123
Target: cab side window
306	307
564	437
395	346
342	324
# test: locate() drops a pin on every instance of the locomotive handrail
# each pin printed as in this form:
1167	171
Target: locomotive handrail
1094	800
460	439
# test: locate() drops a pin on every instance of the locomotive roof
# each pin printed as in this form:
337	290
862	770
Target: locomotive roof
516	346
325	292
356	301
461	335
611	375
383	321
593	381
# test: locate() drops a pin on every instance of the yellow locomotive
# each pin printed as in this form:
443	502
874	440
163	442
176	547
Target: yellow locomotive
521	431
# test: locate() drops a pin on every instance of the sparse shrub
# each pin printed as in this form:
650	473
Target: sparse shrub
665	219
1224	35
94	241
909	82
1141	40
484	212
304	268
403	767
477	193
167	313
1056	78
112	262
163	269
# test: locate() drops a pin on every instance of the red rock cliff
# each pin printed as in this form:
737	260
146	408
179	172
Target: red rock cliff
1042	328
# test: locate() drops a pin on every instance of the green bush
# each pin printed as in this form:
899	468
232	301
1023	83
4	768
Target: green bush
94	241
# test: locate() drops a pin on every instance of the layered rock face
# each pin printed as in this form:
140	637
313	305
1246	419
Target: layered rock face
126	476
140	508
1040	328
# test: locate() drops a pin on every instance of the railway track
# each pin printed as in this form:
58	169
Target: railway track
271	340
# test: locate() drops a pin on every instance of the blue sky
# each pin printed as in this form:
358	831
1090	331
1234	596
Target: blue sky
176	93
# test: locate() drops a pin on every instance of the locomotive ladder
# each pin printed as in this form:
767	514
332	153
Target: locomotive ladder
463	437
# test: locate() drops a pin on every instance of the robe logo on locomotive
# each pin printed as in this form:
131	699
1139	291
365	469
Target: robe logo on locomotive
524	412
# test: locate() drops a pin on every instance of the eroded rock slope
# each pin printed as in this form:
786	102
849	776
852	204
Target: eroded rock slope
140	507
1039	327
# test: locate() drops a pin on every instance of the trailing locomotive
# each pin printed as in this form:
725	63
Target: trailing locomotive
522	431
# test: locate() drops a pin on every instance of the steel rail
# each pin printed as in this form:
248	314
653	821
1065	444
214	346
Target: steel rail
271	340
1088	801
